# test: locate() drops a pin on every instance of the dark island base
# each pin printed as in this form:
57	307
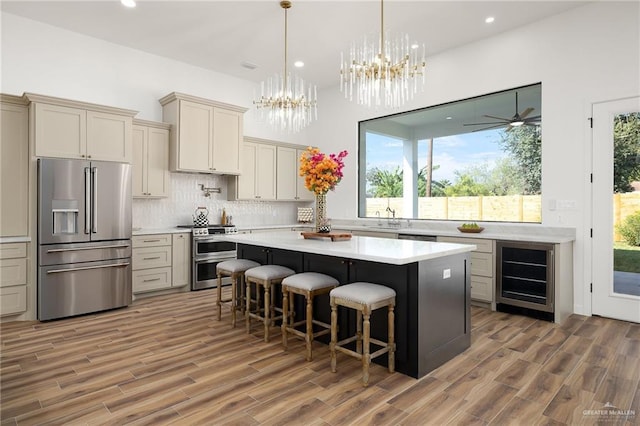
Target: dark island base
432	314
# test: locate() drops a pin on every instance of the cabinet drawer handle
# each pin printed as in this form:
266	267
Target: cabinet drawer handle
151	241
152	258
151	279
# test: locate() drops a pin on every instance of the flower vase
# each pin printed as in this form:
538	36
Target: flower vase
321	214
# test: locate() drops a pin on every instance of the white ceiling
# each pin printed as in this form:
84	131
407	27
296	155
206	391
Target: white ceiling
221	34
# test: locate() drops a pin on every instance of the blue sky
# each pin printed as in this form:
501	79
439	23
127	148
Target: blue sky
452	153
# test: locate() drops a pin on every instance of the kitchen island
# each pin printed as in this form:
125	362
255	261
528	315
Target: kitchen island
431	280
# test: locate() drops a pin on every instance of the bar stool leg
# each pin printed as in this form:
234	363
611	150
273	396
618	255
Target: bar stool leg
219	302
247	319
391	342
267	311
359	331
233	300
309	336
285	317
334	335
366	357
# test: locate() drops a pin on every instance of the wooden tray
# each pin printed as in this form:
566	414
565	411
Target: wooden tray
335	236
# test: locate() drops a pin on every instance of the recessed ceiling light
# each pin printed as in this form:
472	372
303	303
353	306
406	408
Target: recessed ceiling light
248	65
449	118
298	64
489	19
128	3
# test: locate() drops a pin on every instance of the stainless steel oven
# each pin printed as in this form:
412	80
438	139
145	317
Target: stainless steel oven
208	249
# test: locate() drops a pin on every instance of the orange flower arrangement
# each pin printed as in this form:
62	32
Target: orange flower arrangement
321	172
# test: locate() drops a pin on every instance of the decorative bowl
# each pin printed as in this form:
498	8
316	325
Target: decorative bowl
471	230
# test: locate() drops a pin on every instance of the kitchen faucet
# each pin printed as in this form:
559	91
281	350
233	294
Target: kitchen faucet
393	220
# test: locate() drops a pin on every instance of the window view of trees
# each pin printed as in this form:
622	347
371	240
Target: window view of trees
626	194
428	166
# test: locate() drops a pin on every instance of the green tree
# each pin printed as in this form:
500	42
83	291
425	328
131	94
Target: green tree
466	185
385	183
524	144
626	142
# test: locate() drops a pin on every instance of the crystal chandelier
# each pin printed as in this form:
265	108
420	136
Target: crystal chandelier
382	72
285	102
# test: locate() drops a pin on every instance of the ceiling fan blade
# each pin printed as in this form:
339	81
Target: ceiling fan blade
481	124
490	127
536	118
509	128
498	118
526	112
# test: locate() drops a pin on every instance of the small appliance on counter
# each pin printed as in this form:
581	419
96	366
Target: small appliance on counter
207	251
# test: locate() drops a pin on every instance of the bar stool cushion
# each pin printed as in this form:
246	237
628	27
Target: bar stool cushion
310	281
269	272
236	265
361	292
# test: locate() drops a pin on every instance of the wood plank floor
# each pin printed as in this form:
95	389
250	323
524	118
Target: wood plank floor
167	360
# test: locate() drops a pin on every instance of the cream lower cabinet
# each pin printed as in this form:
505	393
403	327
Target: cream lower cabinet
181	259
69	129
150	159
13	278
258	178
207	135
14	167
151	261
483	267
290	185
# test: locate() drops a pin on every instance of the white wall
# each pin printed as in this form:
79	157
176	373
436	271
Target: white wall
583	56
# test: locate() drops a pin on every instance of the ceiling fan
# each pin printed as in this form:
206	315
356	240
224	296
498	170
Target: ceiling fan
518	119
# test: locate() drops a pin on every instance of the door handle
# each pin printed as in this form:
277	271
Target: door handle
94	210
87	248
87	201
115	265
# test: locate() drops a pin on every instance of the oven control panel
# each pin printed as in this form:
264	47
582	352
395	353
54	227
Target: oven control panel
203	232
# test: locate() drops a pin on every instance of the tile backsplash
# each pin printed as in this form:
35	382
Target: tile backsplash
185	196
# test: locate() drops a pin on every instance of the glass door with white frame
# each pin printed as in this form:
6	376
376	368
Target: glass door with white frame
616	209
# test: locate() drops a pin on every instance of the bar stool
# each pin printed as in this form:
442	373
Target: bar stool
364	298
307	284
266	276
235	269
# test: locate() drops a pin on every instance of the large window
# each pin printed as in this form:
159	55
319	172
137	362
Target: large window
476	159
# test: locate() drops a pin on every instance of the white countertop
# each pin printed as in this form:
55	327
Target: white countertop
384	250
510	232
154	231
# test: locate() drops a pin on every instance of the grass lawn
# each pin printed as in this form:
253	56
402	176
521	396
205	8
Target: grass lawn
626	258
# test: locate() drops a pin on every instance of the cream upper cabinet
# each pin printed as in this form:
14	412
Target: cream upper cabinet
108	137
71	129
258	178
207	135
150	159
14	167
227	137
290	185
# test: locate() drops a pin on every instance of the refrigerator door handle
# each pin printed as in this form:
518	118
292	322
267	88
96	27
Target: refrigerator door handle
94	209
87	200
115	265
87	248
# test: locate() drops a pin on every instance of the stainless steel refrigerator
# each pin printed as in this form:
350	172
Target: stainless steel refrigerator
84	237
